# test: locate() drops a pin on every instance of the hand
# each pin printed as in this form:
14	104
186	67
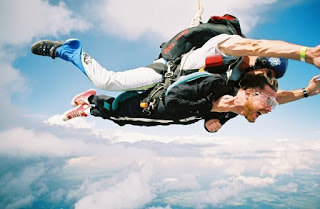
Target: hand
213	125
223	104
314	56
313	87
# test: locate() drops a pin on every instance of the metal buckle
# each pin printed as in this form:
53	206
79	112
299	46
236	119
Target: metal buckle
168	74
153	104
146	111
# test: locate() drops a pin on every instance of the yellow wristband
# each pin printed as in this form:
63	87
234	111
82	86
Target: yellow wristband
303	54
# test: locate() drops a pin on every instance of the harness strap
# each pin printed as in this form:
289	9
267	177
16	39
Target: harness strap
156	95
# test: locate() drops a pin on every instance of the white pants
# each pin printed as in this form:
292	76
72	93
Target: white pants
134	79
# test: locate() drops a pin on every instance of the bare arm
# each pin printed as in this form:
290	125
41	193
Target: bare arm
312	89
238	47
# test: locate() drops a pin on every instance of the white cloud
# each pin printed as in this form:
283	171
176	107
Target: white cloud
223	190
255	181
289	188
165	18
167	207
79	123
21	203
36	18
133	192
28	143
180	182
21	185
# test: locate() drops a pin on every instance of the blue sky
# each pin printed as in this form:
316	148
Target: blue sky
93	163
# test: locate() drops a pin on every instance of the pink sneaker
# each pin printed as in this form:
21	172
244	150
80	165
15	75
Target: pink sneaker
82	98
81	110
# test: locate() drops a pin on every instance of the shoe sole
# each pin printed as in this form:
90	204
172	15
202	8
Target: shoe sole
87	102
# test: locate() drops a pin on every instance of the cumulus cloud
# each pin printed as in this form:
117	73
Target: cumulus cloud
36	18
165	18
78	123
132	192
24	142
21	184
289	188
224	189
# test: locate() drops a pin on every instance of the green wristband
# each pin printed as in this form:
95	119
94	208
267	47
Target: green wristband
303	54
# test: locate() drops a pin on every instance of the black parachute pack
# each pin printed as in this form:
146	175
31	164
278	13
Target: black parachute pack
186	40
195	37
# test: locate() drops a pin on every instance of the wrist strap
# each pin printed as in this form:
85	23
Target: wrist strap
303	54
305	93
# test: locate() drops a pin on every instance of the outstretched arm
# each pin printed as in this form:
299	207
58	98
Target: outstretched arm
312	89
238	47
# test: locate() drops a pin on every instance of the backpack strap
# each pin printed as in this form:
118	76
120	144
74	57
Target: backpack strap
188	78
153	99
122	97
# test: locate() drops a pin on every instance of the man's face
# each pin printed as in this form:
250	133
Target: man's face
260	101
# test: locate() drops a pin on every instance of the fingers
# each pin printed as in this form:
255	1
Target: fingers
228	99
231	100
315	78
213	125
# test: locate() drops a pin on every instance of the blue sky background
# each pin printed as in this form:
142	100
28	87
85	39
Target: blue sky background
93	163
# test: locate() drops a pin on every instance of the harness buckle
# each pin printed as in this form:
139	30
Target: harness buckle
153	104
146	111
168	74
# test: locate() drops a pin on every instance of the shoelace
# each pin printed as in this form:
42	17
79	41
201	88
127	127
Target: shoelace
45	48
75	113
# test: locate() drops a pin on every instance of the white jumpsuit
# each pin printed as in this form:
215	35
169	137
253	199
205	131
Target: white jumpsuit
132	79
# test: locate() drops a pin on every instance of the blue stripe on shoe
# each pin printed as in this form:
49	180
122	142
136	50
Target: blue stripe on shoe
71	51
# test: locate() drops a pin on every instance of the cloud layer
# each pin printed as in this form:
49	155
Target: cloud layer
103	172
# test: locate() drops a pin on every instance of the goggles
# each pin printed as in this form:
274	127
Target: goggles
272	81
269	99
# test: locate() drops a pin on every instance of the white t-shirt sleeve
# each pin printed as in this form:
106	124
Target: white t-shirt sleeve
195	59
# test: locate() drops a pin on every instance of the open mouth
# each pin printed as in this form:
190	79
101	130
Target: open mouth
259	113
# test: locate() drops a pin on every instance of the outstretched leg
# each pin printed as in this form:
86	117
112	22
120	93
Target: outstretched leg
71	50
87	103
